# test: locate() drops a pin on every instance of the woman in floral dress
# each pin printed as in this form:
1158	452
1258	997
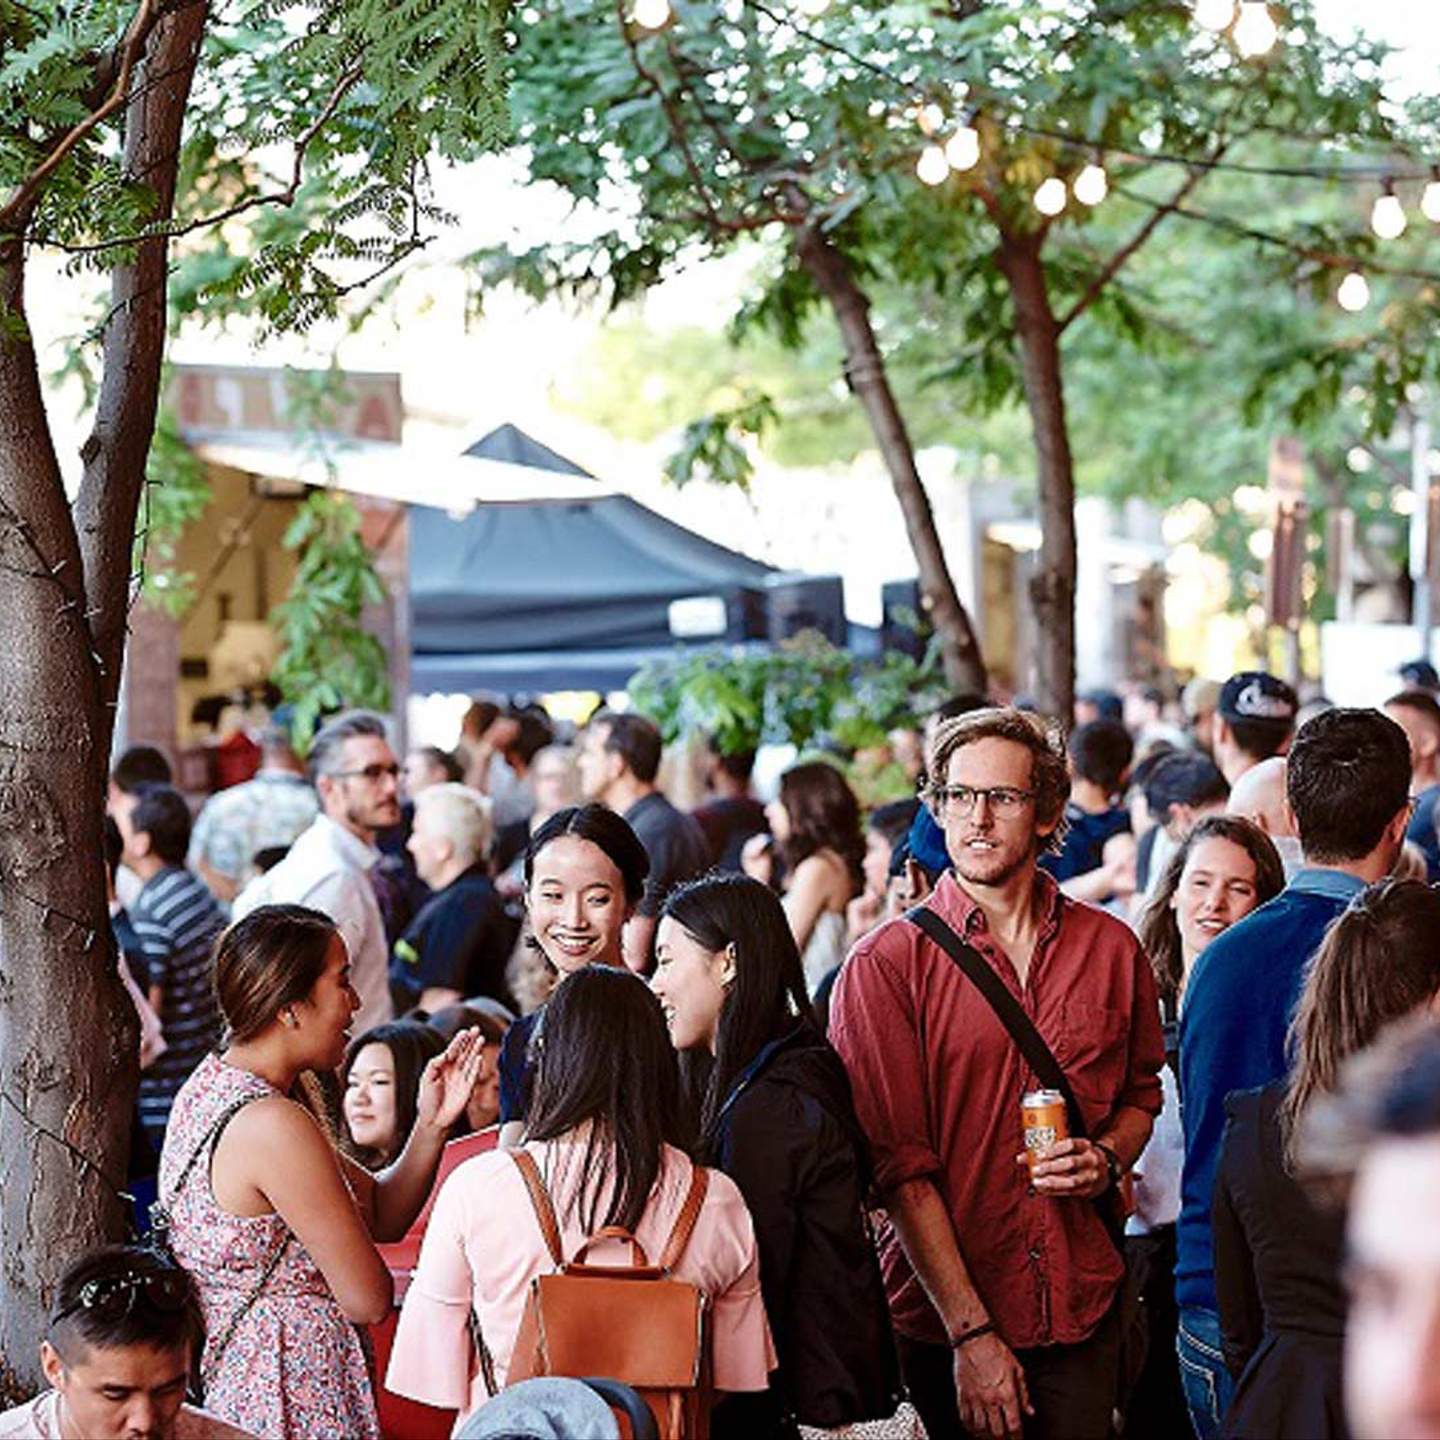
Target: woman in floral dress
277	1227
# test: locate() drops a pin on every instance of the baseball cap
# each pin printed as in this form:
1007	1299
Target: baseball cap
1108	705
1258	696
1421	673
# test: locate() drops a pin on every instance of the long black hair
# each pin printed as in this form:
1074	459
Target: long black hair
768	996
412	1047
602	827
603	1055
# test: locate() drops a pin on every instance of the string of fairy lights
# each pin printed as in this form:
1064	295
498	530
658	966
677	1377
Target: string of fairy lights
1250	27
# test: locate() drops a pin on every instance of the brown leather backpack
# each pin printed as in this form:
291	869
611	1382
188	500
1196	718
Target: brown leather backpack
635	1323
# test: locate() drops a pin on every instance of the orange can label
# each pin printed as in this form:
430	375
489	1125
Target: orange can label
1045	1121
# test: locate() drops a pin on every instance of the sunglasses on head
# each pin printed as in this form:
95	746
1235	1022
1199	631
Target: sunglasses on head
113	1297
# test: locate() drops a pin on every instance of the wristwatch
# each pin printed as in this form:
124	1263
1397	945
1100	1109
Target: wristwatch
1112	1164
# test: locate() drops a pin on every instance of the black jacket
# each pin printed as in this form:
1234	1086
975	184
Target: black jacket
1277	1276
787	1135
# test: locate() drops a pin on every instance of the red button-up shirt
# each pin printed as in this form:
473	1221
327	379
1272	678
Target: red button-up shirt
938	1082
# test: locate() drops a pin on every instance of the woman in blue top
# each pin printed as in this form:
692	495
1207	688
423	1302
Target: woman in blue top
776	1115
585	871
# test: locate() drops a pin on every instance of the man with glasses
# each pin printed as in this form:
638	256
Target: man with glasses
1004	1286
357	778
118	1354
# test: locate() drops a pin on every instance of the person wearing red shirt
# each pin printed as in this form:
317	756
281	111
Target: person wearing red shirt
1004	1287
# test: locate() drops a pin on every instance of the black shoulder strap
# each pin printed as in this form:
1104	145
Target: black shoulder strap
1008	1010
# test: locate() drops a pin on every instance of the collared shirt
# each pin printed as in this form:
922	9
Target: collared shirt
938	1084
265	813
459	941
326	869
39	1419
1233	1027
674	842
483	1248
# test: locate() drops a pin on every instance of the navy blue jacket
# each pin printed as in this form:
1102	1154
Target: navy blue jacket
1236	1016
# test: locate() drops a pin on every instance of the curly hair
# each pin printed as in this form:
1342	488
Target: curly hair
1043	738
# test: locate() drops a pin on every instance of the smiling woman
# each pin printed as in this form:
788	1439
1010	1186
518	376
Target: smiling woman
584	873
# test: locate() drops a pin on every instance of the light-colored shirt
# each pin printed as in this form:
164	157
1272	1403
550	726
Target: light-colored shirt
39	1419
265	813
483	1247
327	870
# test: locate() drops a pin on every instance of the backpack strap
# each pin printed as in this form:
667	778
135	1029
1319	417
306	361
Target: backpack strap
540	1203
685	1220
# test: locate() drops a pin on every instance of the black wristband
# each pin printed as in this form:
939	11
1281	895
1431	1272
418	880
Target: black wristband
973	1333
1112	1164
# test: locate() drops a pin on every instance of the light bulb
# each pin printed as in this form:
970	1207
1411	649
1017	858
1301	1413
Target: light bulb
1050	197
812	8
930	118
932	167
1430	202
1091	185
1354	293
962	149
1214	14
652	14
1387	219
1255	32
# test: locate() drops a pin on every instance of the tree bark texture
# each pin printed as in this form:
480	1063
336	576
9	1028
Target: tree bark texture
68	1034
865	369
1052	587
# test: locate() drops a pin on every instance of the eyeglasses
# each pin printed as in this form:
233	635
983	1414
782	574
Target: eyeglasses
372	773
113	1297
962	799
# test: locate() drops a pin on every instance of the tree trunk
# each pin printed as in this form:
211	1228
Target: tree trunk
1052	588
865	370
68	1035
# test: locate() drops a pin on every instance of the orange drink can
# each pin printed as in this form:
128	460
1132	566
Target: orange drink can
1045	1120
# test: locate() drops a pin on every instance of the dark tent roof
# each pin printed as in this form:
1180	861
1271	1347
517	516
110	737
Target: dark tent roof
559	594
512	444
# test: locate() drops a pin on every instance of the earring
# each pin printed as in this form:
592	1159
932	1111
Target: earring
288	1016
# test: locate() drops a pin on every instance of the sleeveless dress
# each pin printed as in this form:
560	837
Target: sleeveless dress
825	949
295	1367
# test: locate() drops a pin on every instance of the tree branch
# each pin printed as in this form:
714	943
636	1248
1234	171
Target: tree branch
136	36
1112	267
285	197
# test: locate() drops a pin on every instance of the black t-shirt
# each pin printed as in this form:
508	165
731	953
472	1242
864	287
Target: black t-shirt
675	844
727	824
460	940
515	1067
1085	839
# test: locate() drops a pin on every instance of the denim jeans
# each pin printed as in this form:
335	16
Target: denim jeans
1206	1382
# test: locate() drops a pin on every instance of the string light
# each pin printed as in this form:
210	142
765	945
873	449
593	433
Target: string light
652	14
1051	196
1091	185
932	166
1214	14
1354	292
1430	198
1255	31
1387	218
930	118
962	150
812	8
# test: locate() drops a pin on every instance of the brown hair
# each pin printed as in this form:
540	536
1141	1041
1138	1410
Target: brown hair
824	814
1379	961
1159	930
1049	770
270	959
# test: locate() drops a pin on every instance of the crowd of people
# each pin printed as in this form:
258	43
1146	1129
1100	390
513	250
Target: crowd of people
420	1033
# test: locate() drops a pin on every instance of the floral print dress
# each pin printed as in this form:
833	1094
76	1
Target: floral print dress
294	1368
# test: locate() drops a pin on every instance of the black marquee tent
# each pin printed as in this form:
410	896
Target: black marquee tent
567	593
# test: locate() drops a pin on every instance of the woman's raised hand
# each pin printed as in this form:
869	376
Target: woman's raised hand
447	1081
